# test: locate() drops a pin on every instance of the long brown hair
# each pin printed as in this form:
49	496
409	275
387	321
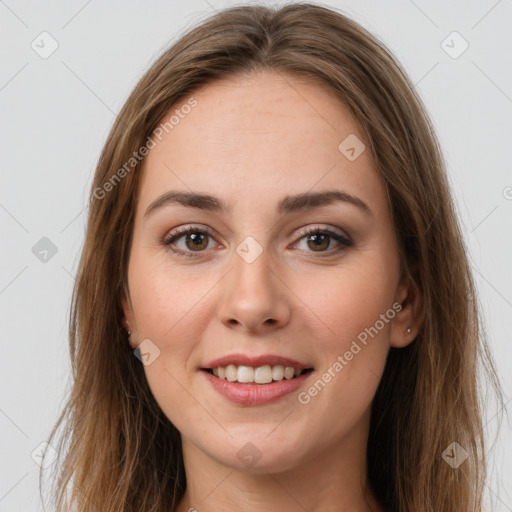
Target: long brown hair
121	452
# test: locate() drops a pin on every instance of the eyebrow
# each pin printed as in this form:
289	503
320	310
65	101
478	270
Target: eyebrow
289	204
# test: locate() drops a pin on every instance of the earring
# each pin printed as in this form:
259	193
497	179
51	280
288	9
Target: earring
408	331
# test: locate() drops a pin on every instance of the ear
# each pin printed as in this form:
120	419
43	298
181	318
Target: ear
129	319
410	316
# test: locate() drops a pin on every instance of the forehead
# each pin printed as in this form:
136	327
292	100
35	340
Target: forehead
257	136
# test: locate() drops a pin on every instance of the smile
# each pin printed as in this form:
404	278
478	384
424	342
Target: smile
260	375
252	393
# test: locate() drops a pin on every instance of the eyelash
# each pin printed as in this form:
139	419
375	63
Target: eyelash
167	241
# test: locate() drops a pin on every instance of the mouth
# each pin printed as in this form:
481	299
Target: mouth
266	374
251	381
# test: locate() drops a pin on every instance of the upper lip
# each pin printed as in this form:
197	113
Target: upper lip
256	361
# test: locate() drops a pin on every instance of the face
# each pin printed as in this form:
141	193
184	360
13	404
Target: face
273	279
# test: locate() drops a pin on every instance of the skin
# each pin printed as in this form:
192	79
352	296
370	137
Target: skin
250	141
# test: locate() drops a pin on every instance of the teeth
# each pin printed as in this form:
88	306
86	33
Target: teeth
231	373
289	372
261	375
278	372
245	374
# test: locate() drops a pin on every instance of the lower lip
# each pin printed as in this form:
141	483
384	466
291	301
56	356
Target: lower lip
256	394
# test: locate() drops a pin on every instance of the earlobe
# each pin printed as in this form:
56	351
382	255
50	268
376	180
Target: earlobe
128	320
409	320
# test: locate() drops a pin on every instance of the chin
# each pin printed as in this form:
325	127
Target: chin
256	454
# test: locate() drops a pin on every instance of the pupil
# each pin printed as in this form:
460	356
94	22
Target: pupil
316	240
196	239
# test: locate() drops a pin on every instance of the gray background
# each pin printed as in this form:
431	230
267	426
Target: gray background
55	115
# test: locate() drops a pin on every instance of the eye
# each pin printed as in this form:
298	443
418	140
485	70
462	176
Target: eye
319	239
195	240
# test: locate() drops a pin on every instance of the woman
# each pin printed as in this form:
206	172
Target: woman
274	308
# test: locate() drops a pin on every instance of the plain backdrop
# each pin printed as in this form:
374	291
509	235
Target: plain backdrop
56	112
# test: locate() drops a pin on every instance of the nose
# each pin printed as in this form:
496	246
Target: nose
255	297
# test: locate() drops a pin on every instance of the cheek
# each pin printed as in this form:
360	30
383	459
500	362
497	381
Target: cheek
348	300
355	308
168	306
166	299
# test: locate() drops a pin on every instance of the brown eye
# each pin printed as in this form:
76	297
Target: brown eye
319	240
196	241
186	241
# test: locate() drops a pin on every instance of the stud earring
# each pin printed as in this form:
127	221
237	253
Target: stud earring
408	331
